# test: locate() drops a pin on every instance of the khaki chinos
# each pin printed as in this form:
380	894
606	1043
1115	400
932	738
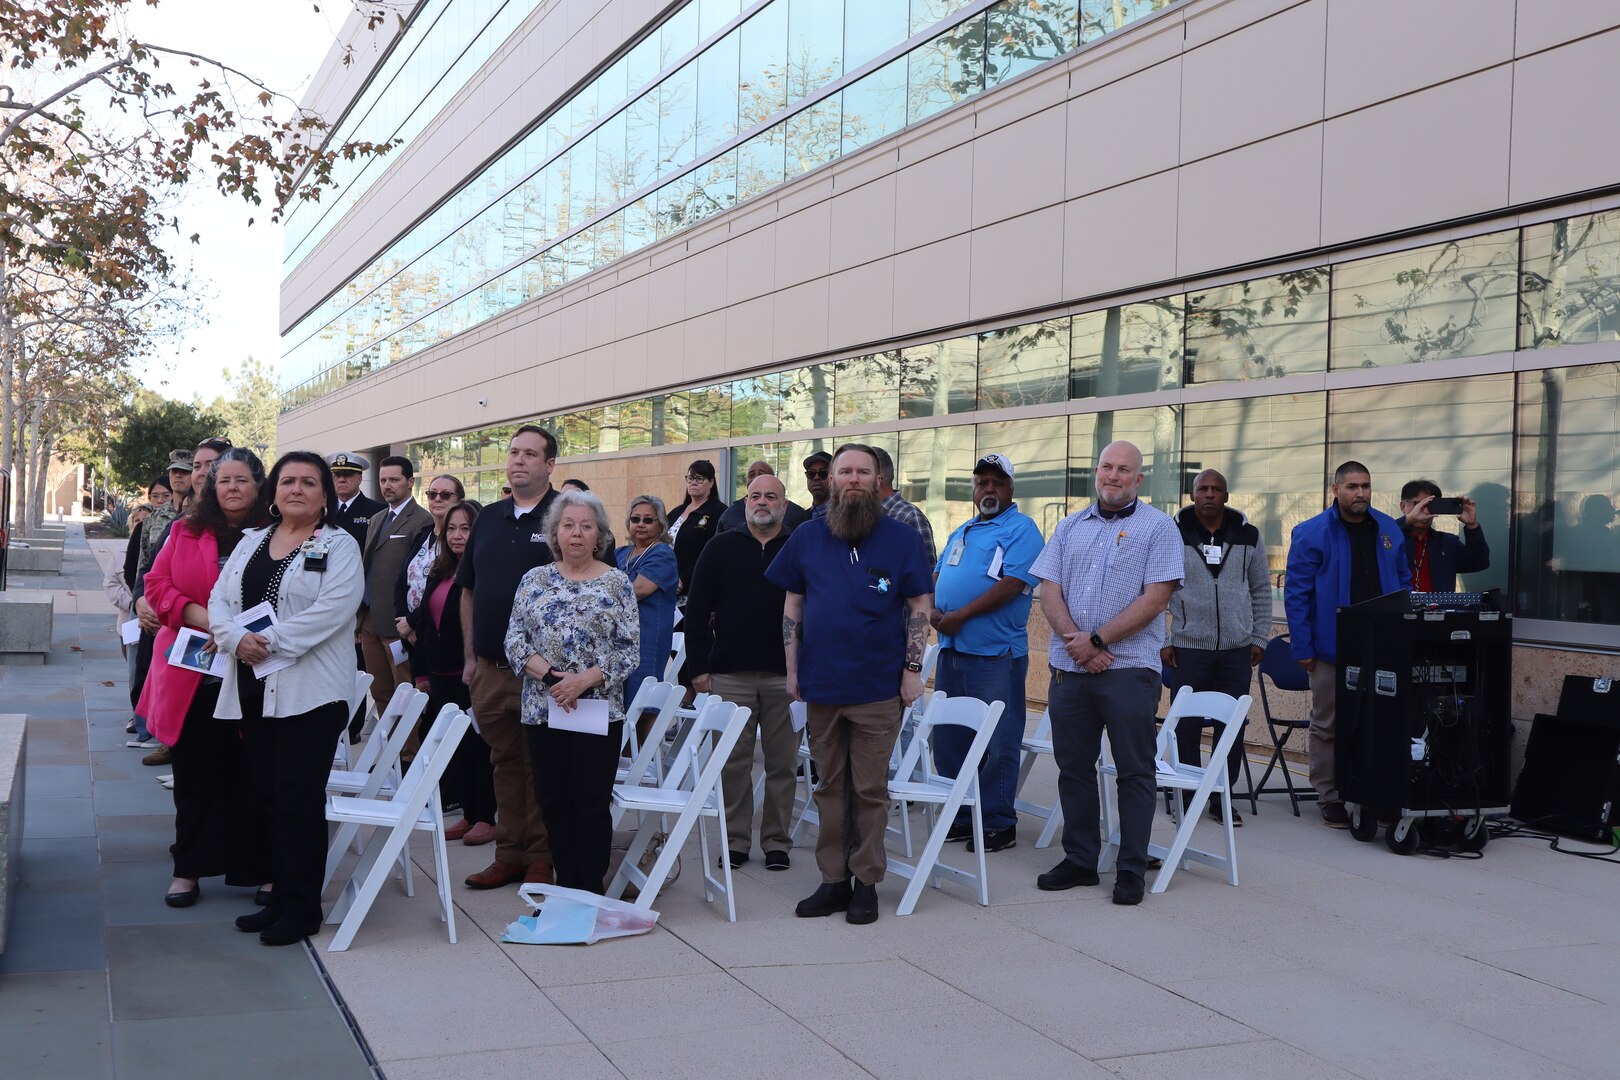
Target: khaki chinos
520	832
765	694
851	745
1320	739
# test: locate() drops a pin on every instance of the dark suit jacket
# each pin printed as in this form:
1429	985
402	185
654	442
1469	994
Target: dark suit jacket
358	518
385	555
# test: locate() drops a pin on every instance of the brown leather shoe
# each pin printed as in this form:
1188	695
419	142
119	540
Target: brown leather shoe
161	756
538	873
458	830
495	875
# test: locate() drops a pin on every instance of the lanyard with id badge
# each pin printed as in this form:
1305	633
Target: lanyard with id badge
315	550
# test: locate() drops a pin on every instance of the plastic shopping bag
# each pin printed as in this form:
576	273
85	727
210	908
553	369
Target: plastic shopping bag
575	917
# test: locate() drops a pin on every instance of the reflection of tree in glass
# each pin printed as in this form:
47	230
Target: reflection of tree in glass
1023	33
1456	283
1098	17
1570	282
1246	316
1024	365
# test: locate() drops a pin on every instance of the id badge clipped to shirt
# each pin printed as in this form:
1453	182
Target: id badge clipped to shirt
316	548
1213	554
954	558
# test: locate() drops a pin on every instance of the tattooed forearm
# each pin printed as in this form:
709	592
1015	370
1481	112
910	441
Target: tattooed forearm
916	635
790	631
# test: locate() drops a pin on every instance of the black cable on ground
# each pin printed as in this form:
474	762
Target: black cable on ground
1507	830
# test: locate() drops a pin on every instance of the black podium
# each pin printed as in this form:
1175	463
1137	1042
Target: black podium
1423	728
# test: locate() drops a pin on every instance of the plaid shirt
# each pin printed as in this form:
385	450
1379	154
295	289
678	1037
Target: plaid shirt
1102	566
911	514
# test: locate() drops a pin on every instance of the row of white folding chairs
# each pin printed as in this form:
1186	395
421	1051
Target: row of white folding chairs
412	806
377	771
359	697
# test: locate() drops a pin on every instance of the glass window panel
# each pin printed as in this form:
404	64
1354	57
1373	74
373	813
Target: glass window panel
1038	450
677	119
640	224
1258	329
713	14
807	398
1565	541
1024	365
939	378
815	45
763	67
1023	34
669	415
709	413
641	141
1458	433
867	389
1130	349
577	433
946	70
779	455
873	27
1272	452
1156	432
875	106
1099	17
814	136
935	471
925	13
675	204
1430	303
642	65
635	424
717	94
756	406
1571	281
679	35
762	162
715	188
612	178
612	85
609	436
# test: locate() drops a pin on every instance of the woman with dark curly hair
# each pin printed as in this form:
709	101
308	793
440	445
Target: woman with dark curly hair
219	828
309	574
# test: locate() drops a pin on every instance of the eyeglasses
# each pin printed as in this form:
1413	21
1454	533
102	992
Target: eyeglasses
692	479
815	474
440	494
643	521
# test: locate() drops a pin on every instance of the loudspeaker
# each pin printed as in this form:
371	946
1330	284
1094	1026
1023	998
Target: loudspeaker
1585	700
1571	778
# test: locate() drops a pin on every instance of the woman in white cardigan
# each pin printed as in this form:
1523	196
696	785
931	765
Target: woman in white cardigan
310	574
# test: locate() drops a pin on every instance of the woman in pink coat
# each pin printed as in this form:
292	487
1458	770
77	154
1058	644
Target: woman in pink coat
219	827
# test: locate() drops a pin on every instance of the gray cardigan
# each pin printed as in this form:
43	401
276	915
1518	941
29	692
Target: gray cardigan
315	626
1227	612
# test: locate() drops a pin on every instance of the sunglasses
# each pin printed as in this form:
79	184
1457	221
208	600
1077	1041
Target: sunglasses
435	495
643	521
815	474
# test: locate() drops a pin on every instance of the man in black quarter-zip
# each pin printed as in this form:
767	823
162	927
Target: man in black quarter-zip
1220	618
734	649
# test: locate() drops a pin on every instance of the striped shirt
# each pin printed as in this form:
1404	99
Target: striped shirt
1103	565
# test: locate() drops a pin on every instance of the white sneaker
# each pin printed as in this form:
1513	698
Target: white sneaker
147	743
167	780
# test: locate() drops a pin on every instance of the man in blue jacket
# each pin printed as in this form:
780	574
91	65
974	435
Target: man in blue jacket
1344	555
1436	558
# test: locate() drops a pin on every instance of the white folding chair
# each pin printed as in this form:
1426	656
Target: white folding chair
804	806
414	807
948	794
375	749
359	697
646	763
692	792
381	781
677	657
1200	780
908	731
1034	746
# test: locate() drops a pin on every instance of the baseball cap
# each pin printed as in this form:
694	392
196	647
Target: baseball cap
179	460
995	461
820	457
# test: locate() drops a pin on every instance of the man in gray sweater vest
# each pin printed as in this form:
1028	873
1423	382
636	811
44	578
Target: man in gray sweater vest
1220	618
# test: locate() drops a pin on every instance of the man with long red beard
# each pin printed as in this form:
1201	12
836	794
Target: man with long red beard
854	627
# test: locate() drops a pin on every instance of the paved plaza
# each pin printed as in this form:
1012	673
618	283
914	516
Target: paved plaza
1333	958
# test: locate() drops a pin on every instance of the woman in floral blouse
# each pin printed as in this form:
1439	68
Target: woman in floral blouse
575	633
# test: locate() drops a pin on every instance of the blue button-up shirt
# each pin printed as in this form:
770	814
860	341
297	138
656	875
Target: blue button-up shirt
974	548
1103	565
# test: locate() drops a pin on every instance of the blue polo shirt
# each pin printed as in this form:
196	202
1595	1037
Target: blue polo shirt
854	647
1013	539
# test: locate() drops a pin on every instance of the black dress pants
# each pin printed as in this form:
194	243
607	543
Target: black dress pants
573	783
1226	671
292	759
219	826
469	779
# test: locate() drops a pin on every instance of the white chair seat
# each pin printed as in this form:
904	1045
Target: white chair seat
372	812
658	800
349	782
920	791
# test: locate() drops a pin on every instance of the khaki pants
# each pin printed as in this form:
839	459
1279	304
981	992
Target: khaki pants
520	833
385	674
851	746
1320	742
766	696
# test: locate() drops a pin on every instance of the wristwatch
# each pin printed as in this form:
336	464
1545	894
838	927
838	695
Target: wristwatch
914	667
1097	642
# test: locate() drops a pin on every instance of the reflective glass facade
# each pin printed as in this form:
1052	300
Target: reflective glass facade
1538	451
705	112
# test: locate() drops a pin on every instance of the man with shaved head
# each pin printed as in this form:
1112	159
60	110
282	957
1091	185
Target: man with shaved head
736	515
1107	575
1220	618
